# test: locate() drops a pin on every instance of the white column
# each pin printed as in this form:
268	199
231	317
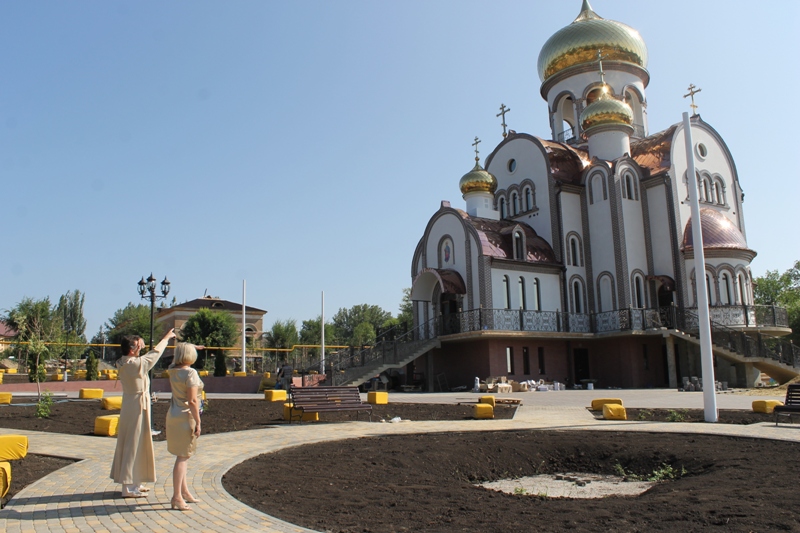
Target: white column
706	352
322	339
244	325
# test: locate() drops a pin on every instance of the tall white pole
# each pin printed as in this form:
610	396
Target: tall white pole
244	325
706	352
322	340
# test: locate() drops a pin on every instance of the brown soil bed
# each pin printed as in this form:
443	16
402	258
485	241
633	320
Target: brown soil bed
426	483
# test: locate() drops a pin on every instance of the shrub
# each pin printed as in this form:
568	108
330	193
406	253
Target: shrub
220	370
44	405
36	373
676	416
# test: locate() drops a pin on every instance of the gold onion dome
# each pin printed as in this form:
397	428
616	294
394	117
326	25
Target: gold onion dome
478	180
578	43
604	111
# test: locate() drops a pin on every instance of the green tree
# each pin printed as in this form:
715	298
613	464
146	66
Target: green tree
283	334
73	323
216	329
783	290
91	368
311	333
364	334
34	323
130	320
345	321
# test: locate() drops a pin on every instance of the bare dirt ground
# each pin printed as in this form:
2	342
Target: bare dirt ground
427	482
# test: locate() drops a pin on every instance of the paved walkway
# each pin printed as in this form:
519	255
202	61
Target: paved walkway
81	497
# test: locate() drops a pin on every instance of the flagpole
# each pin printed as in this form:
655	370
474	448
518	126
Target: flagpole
706	352
322	340
244	325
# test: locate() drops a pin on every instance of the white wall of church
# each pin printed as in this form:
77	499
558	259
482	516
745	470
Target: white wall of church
635	245
600	232
659	231
548	285
530	165
577	84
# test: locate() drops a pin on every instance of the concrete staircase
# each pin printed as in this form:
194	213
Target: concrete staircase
398	356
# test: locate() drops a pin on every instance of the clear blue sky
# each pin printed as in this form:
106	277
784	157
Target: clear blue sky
303	146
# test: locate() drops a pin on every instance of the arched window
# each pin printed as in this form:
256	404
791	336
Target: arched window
537	300
638	292
597	190
720	190
573	248
502	208
706	191
577	293
507	292
606	294
523	303
628	187
708	289
725	290
528	199
519	246
514	204
742	290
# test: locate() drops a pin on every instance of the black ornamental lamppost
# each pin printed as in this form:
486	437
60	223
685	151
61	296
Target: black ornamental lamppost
147	290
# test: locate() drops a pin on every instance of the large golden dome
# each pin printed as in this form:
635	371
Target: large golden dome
606	110
579	42
478	180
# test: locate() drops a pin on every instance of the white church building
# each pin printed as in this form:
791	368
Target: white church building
570	259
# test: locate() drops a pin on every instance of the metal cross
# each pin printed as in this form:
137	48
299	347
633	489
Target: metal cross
600	58
691	94
503	111
475	144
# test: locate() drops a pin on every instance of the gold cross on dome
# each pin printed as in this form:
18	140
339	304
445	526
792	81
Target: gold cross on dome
475	144
691	94
600	58
503	111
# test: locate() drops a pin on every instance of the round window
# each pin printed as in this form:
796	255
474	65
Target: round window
512	165
702	151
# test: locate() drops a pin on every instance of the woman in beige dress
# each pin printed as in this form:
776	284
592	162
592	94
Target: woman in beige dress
183	420
134	461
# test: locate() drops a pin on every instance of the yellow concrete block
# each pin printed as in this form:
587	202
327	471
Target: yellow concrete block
483	410
487	400
765	406
598	403
5	478
112	403
240	374
1	378
106	426
267	375
307	417
11	370
614	411
202	373
94	394
5	397
227	372
378	397
2	370
203	394
13	447
275	395
57	377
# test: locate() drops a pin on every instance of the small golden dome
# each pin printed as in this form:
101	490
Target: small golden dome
579	43
606	110
478	180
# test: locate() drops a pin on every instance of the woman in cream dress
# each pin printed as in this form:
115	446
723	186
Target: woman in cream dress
183	420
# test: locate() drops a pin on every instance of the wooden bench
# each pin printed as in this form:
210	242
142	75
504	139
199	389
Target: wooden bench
791	405
326	399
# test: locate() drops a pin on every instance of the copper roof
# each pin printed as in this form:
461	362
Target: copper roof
496	238
718	232
450	281
566	163
653	152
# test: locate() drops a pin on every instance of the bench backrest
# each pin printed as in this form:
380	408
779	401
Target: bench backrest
317	395
792	395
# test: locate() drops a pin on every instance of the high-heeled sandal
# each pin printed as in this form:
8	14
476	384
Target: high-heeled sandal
190	499
179	506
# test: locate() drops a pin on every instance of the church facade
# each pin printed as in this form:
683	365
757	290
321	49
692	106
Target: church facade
571	258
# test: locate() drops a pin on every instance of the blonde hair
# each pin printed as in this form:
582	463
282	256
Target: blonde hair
185	354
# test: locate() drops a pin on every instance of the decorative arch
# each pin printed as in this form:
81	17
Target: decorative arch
528	196
446	252
606	292
577	295
598	187
574	247
563	116
726	282
638	290
635	99
744	294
